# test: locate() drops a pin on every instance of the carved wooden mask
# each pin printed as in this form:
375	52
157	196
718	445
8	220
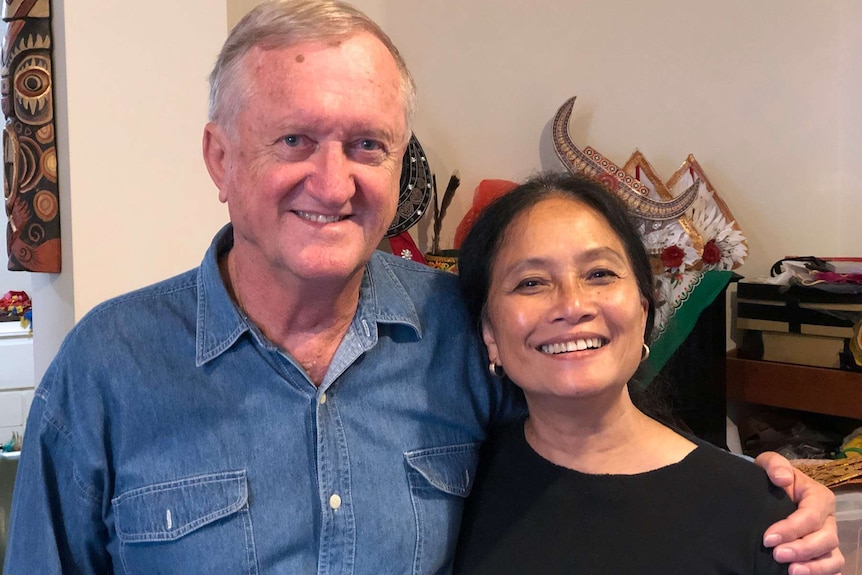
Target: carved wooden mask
29	153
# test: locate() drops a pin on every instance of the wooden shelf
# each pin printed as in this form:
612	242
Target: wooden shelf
821	390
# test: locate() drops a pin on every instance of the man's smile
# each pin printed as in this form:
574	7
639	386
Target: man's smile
319	218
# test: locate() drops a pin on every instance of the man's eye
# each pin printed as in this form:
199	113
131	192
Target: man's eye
370	145
292	140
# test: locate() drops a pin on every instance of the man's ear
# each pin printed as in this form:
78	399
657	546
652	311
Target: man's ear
215	145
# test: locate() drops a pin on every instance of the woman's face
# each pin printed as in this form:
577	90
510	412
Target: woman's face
564	314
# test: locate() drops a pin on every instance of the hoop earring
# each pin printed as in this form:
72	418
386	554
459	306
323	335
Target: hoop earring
645	353
495	370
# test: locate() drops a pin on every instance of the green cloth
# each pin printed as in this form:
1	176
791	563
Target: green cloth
687	305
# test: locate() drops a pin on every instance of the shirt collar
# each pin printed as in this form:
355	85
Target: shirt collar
383	298
219	322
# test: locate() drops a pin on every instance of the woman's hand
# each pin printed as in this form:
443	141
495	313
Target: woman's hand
808	538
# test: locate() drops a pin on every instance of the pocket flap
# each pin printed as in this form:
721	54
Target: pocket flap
450	469
167	511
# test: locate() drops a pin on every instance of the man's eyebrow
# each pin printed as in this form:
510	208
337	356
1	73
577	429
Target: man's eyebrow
287	126
371	132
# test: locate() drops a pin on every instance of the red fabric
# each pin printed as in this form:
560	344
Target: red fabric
486	192
835	277
403	244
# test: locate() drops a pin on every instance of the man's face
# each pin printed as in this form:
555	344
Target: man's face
311	171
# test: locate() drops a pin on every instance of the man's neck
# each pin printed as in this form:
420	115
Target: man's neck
307	320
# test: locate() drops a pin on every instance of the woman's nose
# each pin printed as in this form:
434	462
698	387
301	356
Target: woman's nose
574	302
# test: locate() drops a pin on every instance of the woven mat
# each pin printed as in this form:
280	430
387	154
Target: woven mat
832	473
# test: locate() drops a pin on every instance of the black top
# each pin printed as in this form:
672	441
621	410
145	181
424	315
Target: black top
704	515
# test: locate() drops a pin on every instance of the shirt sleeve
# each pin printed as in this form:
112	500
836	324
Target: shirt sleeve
778	506
55	525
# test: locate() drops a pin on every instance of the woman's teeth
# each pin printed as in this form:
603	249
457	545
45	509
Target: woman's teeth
578	345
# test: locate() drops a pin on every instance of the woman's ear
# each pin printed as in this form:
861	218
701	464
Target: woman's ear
645	307
490	342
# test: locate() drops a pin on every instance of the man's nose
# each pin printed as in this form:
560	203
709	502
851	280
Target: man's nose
331	181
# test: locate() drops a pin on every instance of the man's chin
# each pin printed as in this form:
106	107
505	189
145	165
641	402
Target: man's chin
332	269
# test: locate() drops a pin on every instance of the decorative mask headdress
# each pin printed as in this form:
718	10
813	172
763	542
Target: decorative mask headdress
695	222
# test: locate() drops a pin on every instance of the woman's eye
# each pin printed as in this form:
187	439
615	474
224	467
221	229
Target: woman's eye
602	274
528	284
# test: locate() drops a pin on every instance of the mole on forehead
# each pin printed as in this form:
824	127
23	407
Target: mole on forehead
300	58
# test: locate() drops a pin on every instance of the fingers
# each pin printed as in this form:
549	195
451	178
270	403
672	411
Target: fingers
808	538
829	564
810	531
780	472
811	547
814	514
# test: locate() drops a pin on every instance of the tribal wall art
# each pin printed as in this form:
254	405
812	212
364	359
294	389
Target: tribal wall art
29	153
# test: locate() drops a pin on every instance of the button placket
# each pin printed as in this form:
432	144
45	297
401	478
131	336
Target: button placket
338	537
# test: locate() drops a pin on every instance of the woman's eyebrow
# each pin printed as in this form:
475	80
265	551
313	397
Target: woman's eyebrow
604	252
590	255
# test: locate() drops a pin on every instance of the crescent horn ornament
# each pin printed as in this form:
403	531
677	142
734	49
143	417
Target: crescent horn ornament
590	163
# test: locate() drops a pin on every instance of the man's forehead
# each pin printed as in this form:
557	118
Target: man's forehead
269	73
298	50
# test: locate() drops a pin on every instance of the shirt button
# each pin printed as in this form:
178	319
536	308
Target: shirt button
322	398
335	501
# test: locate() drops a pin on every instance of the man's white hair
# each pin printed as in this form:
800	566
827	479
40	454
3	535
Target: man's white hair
283	23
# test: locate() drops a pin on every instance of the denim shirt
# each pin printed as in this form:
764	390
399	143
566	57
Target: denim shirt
170	436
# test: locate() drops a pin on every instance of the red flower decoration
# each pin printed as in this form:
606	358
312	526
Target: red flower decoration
611	183
672	257
711	253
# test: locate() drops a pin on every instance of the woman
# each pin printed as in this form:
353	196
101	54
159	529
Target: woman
561	286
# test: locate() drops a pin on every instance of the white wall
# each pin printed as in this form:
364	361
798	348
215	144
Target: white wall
136	202
765	94
141	202
17	281
850	123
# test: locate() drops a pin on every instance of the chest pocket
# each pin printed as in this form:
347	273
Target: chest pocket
198	524
439	478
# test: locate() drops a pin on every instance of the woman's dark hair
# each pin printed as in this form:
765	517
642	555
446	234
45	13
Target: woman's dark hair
486	237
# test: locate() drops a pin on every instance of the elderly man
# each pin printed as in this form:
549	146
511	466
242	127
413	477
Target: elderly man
298	403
